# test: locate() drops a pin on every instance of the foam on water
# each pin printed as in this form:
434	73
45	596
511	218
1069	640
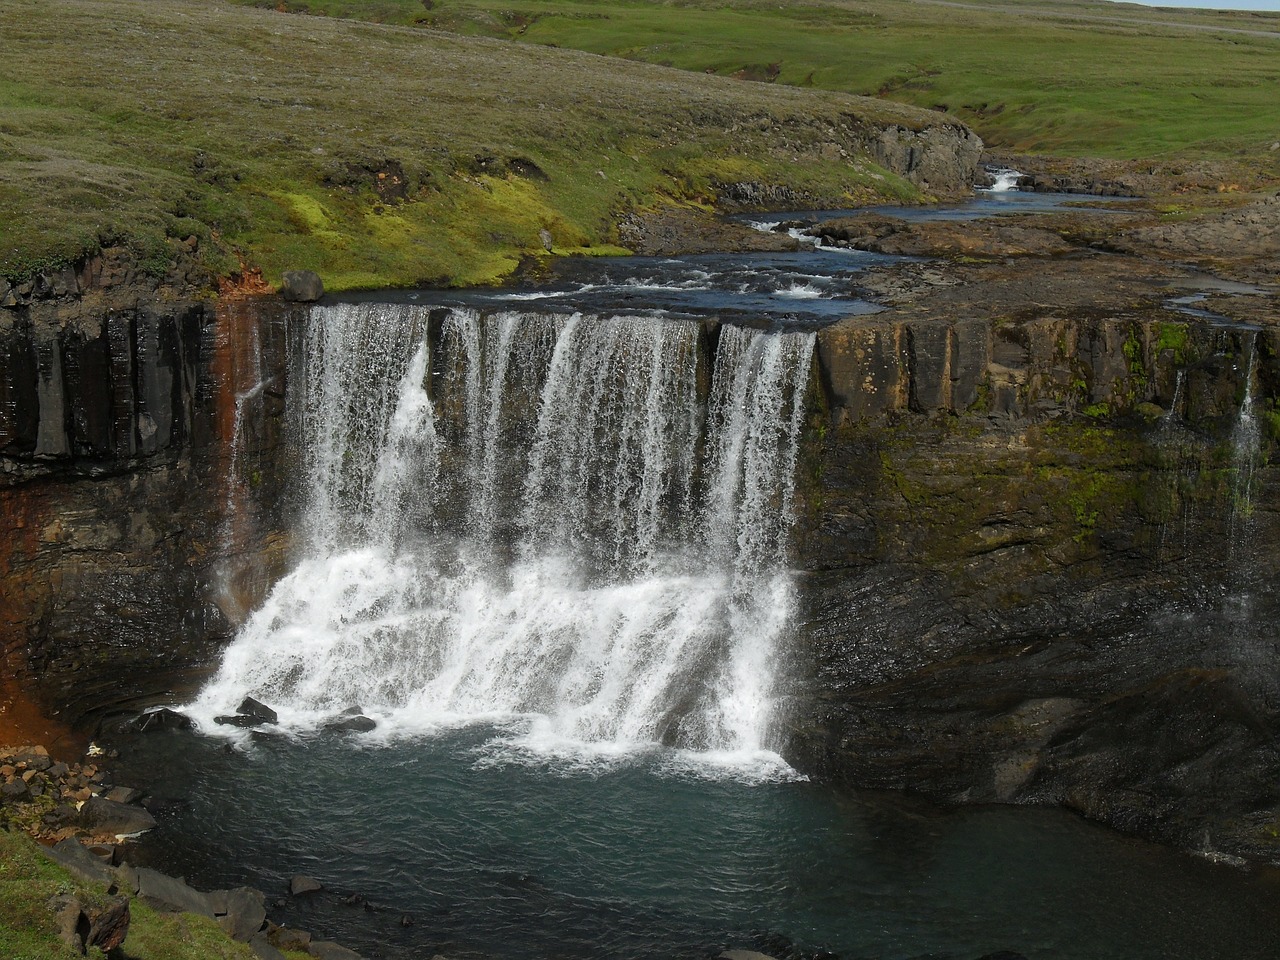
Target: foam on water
553	524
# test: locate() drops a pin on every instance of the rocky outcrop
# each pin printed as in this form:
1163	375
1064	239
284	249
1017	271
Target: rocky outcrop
942	158
1034	551
138	477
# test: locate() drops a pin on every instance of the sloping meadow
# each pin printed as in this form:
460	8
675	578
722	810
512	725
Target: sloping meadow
377	155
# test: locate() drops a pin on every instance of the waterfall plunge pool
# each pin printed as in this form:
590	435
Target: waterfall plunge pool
494	853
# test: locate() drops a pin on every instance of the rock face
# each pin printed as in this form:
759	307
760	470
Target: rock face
1035	567
941	158
1035	507
138	482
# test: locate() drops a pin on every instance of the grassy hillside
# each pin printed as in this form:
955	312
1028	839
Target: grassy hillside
374	154
1072	77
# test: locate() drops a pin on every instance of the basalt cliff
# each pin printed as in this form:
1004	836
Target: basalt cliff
1034	509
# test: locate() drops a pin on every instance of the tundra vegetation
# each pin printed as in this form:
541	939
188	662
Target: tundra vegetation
373	154
1064	77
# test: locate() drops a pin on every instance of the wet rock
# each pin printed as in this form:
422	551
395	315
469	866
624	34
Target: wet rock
245	914
300	884
163	719
239	720
165	893
256	708
356	724
102	816
15	791
301	286
124	794
324	950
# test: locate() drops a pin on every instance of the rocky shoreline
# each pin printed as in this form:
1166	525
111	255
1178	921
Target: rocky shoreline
84	823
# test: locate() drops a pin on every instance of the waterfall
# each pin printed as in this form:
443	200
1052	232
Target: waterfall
1246	445
1004	180
573	525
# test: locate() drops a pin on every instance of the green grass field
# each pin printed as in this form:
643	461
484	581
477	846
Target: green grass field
1070	77
146	121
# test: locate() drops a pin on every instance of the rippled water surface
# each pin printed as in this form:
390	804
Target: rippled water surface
494	851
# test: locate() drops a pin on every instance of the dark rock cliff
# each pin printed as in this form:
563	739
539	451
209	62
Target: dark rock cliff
1036	570
133	538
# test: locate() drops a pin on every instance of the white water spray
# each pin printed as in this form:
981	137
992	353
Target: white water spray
1006	180
1246	443
550	523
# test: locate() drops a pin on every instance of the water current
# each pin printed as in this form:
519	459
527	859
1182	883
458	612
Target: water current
544	546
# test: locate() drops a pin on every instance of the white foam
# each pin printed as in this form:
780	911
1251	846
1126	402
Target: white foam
801	291
557	538
1006	180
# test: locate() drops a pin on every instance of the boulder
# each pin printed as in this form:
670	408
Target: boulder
245	914
102	816
256	708
71	930
263	949
108	924
324	950
163	719
300	884
239	720
168	894
356	724
301	286
15	791
124	794
287	938
127	879
72	856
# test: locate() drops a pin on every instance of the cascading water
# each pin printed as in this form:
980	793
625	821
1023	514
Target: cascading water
1246	445
1004	179
573	525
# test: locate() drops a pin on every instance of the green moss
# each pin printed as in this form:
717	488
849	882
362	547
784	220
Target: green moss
1097	411
28	930
1172	336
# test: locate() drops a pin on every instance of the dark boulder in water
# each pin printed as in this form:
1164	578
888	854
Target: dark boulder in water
356	724
163	719
100	815
256	708
239	720
300	884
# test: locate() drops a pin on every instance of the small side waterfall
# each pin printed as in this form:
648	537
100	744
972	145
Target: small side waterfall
1246	445
574	523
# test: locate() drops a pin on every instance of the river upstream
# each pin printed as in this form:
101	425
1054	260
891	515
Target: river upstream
545	548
